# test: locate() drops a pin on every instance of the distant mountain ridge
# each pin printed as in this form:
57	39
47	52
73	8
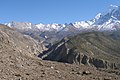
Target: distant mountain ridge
100	22
50	33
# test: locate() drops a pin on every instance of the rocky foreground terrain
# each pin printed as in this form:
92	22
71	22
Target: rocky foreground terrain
18	61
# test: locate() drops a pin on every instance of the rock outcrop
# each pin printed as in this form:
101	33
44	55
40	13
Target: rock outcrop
92	48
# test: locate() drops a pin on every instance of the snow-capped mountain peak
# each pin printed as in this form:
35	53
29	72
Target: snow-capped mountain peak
40	26
113	6
20	25
101	21
98	16
81	24
49	27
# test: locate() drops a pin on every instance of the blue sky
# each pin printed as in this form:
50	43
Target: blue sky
52	11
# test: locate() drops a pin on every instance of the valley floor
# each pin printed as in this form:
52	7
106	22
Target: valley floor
36	69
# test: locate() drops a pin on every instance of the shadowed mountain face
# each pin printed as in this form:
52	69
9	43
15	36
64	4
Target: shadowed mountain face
91	48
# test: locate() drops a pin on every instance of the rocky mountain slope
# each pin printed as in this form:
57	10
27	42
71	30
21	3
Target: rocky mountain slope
9	38
90	48
18	62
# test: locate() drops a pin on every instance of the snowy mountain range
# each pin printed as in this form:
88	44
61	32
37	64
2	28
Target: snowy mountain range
106	21
50	33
